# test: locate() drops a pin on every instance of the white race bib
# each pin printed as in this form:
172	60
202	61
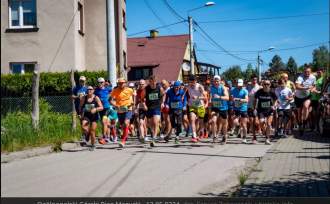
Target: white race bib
175	105
265	104
89	107
153	96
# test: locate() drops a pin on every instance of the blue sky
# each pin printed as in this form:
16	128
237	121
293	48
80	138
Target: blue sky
242	35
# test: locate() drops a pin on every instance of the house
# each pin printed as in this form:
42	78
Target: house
60	35
162	56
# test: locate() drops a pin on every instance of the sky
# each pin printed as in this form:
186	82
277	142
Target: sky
244	38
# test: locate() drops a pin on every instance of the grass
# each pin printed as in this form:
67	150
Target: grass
242	177
54	129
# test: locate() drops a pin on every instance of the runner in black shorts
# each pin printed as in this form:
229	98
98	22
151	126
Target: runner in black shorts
264	104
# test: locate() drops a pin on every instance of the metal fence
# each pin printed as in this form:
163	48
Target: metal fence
60	104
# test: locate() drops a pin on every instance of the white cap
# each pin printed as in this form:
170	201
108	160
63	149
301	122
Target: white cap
240	82
100	80
131	84
82	78
217	77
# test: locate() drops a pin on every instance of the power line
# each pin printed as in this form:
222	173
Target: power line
160	27
274	50
264	18
218	45
173	10
156	15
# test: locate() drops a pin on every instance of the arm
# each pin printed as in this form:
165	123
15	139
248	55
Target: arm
99	105
82	101
226	94
246	99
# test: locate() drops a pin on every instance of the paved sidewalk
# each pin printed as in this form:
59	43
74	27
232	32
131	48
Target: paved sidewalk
295	166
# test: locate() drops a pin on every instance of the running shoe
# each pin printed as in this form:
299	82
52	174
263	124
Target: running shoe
167	138
121	144
267	142
224	141
206	135
194	139
214	139
244	141
146	139
254	142
107	140
91	148
115	139
152	144
102	141
176	141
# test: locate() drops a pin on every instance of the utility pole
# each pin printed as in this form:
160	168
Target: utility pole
111	42
258	66
191	30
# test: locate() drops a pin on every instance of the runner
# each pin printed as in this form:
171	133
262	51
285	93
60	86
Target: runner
219	98
253	119
292	120
122	100
240	98
165	117
265	105
196	96
186	125
315	100
284	97
155	97
89	107
103	93
78	92
304	85
141	110
176	100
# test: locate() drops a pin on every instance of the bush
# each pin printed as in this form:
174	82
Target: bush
17	132
51	84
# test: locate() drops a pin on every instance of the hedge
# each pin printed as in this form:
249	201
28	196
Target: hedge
51	84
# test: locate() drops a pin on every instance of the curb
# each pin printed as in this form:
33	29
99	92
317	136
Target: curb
38	151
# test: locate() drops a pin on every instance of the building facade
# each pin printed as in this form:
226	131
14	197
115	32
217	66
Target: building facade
60	35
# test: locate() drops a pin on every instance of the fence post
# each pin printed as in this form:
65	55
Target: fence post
35	97
74	113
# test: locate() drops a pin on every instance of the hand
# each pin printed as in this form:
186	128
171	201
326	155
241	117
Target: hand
93	111
255	112
162	106
184	108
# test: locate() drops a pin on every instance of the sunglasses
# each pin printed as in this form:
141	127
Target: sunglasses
267	84
90	89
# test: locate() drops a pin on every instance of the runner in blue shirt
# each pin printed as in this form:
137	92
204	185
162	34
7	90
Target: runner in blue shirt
240	98
176	99
103	93
219	113
78	92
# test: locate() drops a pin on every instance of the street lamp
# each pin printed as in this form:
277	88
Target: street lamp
258	61
191	30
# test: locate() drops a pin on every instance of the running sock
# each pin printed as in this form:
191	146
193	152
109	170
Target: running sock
125	134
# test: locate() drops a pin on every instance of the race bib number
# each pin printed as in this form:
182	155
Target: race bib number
237	104
175	105
216	103
153	96
89	107
265	104
196	103
122	109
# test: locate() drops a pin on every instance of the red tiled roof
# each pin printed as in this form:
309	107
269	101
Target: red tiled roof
165	53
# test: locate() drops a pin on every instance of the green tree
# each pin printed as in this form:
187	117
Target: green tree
276	64
291	66
233	73
250	72
320	58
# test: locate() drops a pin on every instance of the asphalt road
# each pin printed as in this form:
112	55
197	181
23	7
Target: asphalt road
202	169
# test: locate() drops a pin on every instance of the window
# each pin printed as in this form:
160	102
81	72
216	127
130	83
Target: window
22	14
124	20
125	60
81	19
22	68
139	73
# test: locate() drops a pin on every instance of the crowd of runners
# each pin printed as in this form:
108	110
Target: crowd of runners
212	109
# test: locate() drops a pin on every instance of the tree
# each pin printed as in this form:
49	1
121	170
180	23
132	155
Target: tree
233	73
250	72
291	66
276	64
320	58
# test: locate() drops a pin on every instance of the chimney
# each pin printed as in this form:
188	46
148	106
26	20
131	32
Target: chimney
153	33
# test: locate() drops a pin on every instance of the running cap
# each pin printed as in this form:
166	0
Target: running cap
121	80
240	82
177	84
82	78
100	80
217	77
